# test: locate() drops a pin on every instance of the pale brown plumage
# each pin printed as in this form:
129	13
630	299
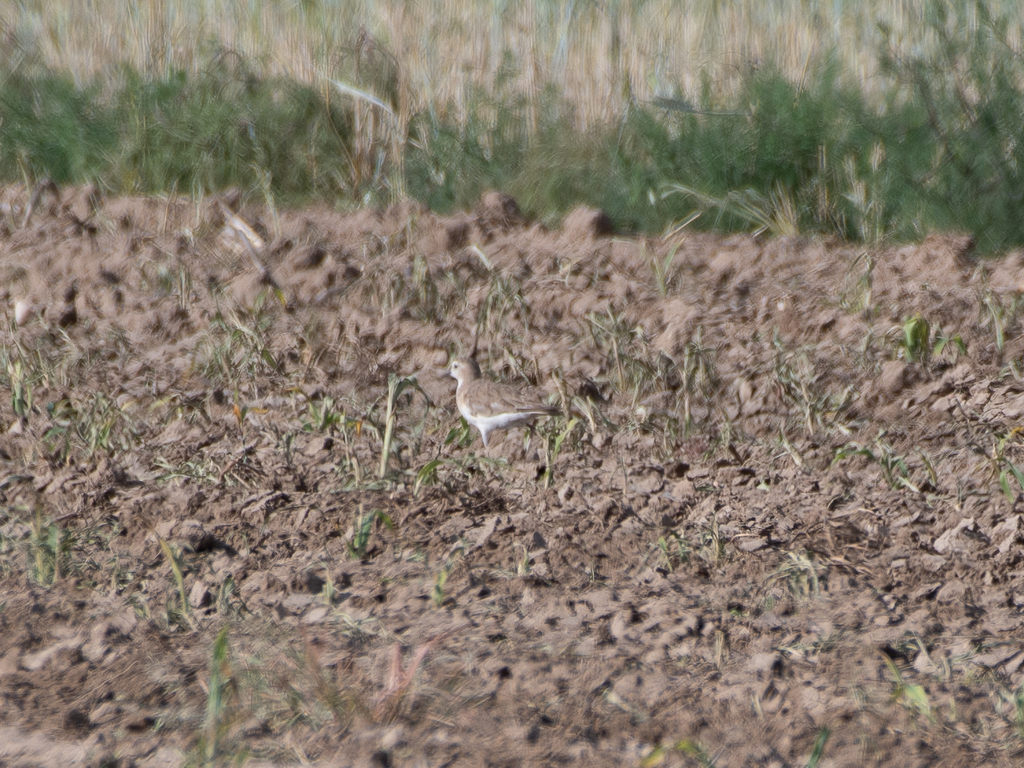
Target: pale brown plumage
488	405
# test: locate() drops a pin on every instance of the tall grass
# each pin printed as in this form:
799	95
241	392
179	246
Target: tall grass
601	56
759	116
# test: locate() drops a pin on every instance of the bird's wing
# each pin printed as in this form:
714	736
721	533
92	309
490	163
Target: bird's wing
502	398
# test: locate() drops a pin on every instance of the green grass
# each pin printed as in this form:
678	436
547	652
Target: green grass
932	142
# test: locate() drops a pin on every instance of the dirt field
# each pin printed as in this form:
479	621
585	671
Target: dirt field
779	522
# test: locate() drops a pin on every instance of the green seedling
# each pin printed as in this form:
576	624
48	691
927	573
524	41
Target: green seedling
944	342
221	696
800	573
893	465
912	696
687	747
818	750
85	429
21	390
323	417
711	548
437	591
698	374
675	551
662	268
427	475
461	436
49	551
360	542
1005	470
919	342
915	339
1018	711
1000	315
553	447
396	386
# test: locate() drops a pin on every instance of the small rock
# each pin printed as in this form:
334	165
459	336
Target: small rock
67	651
193	535
618	626
296	603
316	615
393	737
764	663
199	596
684	489
749	543
894	377
9	662
951	592
22	311
97	646
587	223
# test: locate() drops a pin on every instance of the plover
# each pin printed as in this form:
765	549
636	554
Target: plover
488	405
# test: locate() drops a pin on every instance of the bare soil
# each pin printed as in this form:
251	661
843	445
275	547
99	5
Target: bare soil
822	566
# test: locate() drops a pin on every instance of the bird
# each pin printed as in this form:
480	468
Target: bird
489	405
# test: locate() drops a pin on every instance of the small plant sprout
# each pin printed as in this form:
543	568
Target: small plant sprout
893	465
221	691
396	386
49	551
675	551
437	593
818	750
917	341
999	315
358	544
662	269
801	574
184	615
798	382
1002	468
698	373
427	475
711	548
912	696
688	747
553	447
21	391
913	339
322	416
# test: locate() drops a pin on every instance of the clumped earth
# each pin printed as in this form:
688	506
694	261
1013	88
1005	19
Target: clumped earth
778	523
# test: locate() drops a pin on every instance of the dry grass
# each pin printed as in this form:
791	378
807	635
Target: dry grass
437	55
